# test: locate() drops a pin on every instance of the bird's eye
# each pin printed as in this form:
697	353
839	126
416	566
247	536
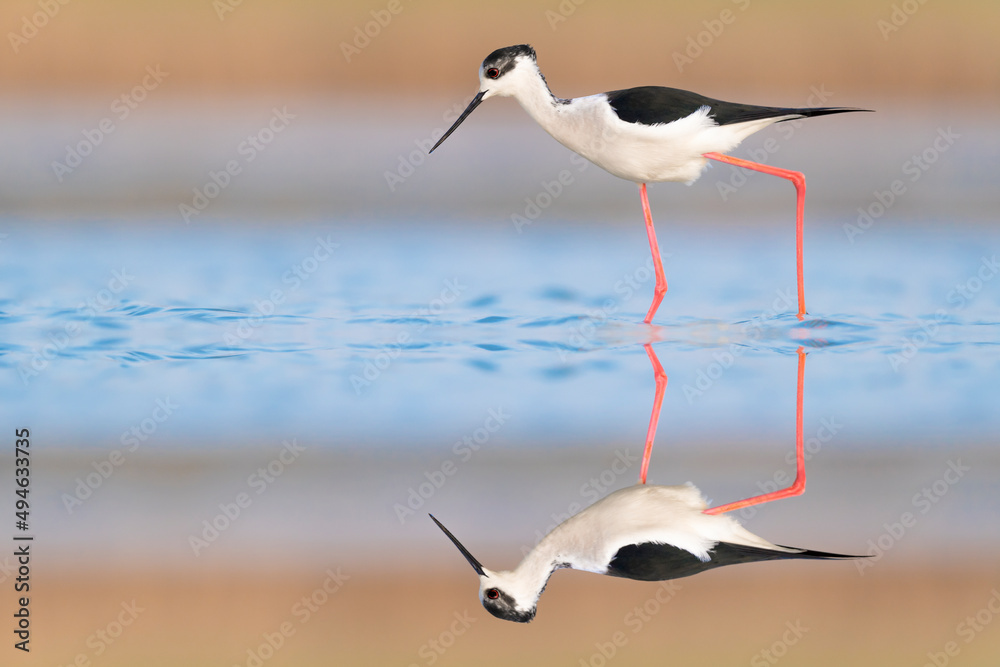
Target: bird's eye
493	594
493	72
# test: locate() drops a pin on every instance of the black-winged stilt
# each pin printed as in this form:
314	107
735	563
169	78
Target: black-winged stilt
650	533
645	135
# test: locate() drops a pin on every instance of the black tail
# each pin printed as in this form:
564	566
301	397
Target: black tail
726	553
744	113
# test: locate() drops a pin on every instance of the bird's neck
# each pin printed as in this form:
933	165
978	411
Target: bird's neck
534	571
536	98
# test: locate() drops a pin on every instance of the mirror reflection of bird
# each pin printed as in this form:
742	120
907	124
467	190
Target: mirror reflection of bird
645	532
646	135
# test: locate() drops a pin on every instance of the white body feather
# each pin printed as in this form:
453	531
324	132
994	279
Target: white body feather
632	151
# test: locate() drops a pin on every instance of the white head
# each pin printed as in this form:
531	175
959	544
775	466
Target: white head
503	594
504	73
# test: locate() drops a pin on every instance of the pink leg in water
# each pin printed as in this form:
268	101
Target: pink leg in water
799	181
654	417
661	281
799	485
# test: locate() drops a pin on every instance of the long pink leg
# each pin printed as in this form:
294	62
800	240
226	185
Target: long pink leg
661	280
654	417
797	179
799	485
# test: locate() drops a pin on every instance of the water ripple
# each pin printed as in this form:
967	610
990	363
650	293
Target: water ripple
492	347
146	333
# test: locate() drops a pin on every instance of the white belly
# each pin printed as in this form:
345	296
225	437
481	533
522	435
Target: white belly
643	153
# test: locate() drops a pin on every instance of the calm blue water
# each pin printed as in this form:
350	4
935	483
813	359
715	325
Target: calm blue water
401	335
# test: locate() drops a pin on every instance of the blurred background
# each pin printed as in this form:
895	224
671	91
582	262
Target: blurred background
256	333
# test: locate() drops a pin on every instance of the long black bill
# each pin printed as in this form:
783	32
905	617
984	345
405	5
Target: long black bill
465	552
465	114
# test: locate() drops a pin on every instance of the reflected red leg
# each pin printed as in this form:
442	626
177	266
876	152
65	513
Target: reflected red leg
799	181
654	417
661	280
799	485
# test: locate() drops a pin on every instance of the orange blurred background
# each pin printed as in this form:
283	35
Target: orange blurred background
227	47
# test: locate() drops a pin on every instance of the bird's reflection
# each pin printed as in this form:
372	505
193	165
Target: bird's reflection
795	489
646	532
654	417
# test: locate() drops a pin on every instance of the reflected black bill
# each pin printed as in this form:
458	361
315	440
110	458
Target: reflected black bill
465	114
465	552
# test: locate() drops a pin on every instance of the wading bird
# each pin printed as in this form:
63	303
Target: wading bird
646	135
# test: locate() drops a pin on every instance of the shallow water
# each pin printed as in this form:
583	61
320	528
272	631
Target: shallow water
389	352
402	335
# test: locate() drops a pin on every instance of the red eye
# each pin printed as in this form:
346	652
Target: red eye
493	593
493	72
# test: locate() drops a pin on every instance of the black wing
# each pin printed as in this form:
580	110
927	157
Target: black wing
656	562
650	105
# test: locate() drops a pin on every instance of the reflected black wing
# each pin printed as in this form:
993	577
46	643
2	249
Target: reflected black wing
656	562
650	105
